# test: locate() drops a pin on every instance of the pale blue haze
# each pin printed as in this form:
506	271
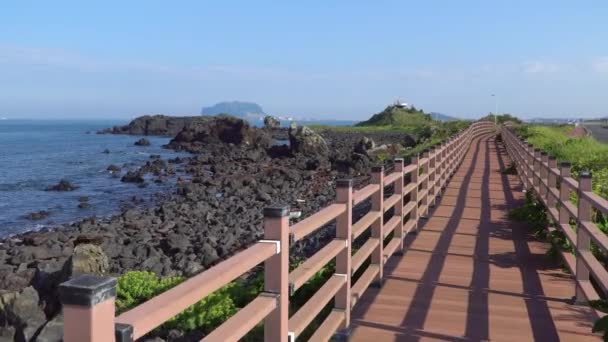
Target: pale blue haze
329	59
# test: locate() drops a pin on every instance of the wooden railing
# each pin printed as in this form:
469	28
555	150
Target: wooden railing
556	188
88	301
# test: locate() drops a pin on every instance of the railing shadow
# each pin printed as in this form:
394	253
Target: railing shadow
541	322
417	313
478	320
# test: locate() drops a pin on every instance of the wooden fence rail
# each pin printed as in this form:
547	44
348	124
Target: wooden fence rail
559	192
88	301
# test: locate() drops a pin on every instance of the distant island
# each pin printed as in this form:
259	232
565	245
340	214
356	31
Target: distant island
442	117
243	110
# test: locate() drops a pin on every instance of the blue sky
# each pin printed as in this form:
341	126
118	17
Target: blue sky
328	59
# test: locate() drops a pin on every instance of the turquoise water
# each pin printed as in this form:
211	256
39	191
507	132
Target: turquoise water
37	154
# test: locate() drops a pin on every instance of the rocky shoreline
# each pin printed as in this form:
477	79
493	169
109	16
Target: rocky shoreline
236	170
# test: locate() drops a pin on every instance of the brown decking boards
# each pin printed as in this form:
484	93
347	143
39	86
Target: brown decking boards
471	274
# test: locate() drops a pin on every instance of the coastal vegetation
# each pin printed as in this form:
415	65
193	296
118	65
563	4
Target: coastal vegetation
584	153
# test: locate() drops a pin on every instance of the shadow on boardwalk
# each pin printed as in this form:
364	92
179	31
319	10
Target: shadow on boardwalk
472	275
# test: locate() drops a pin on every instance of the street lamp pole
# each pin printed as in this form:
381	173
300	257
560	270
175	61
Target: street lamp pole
496	109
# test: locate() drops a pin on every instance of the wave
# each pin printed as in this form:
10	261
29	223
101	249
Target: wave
29	184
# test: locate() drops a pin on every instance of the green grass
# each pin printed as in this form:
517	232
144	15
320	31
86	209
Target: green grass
584	153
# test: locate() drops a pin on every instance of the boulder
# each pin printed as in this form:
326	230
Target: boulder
304	140
39	215
364	145
271	122
15	281
52	330
88	258
113	168
223	129
142	142
153	125
7	334
385	150
133	177
21	310
63	185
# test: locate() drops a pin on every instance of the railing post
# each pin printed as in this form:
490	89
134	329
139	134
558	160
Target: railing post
399	205
425	183
544	173
583	240
88	308
432	176
536	169
564	193
344	194
552	182
530	166
377	231
414	193
276	273
444	154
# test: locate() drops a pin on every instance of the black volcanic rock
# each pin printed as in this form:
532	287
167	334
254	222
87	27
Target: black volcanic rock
63	185
223	129
39	215
306	141
142	142
271	122
153	125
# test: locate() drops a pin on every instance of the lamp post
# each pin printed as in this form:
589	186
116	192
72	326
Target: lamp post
496	109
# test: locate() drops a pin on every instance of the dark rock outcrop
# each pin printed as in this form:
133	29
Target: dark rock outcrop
304	140
142	142
153	125
223	129
271	122
21	311
88	258
364	145
39	215
113	168
63	185
133	177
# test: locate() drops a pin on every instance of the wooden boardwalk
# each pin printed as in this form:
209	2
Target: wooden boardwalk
472	275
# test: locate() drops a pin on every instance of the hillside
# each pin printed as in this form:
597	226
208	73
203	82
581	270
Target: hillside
244	110
396	116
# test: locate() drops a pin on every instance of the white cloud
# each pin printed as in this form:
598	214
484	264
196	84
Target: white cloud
538	67
600	65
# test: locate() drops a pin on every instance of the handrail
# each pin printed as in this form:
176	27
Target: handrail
428	174
316	221
157	310
364	193
553	185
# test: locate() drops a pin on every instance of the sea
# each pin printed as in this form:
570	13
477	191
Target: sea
36	154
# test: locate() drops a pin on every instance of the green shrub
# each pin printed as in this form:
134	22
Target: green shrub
584	153
533	212
136	287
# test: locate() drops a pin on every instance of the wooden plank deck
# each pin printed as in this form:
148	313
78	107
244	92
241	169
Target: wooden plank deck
472	275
